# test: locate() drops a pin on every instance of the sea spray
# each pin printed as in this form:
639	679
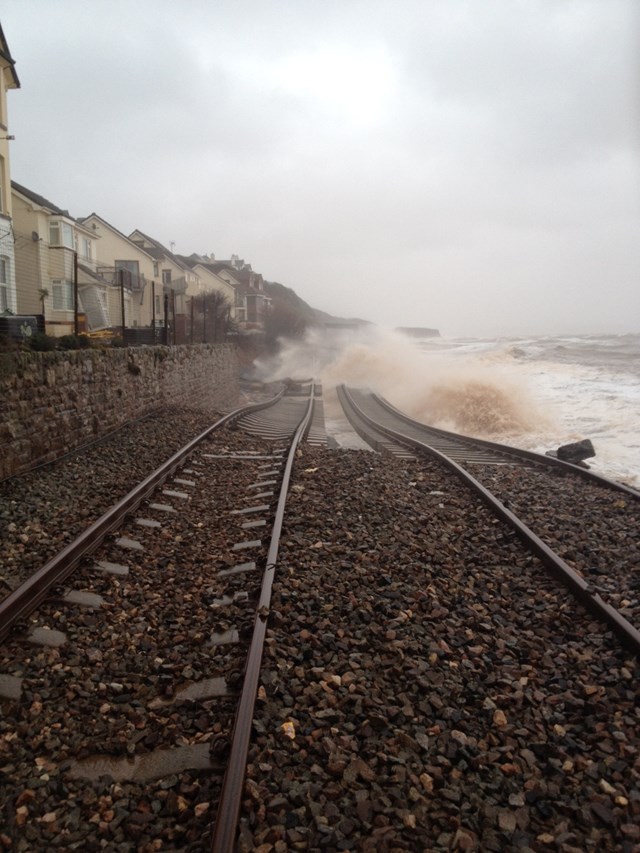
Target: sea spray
463	396
535	393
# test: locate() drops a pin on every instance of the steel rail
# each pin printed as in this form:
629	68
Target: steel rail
26	597
224	833
511	452
576	584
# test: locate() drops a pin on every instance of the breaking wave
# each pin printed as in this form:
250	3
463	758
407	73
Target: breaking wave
463	395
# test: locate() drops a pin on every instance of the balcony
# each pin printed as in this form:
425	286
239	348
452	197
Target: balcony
131	281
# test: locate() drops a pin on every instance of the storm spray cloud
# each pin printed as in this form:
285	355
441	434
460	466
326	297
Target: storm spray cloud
469	394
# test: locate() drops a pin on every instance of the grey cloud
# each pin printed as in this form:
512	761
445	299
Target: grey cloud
503	165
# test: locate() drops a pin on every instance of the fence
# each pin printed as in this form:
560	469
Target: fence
69	294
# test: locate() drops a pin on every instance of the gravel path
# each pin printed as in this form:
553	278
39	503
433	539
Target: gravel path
427	687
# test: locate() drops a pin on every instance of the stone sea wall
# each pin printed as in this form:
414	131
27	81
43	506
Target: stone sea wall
52	402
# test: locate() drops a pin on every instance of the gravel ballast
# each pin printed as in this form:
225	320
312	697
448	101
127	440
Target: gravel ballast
40	512
112	744
427	686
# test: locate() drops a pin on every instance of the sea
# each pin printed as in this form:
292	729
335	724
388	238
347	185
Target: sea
542	392
536	393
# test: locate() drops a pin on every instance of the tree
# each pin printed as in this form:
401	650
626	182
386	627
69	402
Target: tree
43	293
211	314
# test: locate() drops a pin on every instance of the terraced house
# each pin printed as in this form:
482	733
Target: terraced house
122	260
52	251
8	80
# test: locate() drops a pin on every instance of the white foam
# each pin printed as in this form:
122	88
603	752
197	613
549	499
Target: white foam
537	393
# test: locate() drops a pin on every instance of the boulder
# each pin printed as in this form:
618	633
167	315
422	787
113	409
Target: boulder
577	451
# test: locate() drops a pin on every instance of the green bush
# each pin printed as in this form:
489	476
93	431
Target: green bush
42	343
74	342
68	342
117	342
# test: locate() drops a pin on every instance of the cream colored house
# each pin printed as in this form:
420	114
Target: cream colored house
251	302
208	280
143	290
8	80
227	274
179	281
48	244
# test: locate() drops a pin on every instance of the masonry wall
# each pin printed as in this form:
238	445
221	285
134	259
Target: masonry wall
52	402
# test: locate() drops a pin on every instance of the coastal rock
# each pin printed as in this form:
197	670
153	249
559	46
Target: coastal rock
577	451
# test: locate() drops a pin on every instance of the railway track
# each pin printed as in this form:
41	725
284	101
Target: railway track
166	597
497	473
427	684
138	728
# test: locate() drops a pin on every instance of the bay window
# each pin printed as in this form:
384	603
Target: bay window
61	234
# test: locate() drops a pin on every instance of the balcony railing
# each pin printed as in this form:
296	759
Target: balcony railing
111	275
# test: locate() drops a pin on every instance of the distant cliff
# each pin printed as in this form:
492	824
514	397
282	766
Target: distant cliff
290	315
418	332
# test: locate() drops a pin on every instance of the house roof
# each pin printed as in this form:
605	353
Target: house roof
190	262
40	200
158	251
5	54
156	254
84	219
217	268
220	266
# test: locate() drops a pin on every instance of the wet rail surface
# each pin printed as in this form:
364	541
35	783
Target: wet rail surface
496	473
125	660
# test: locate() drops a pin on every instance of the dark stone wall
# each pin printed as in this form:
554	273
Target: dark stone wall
52	402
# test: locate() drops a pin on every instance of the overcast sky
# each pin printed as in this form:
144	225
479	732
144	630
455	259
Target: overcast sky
471	166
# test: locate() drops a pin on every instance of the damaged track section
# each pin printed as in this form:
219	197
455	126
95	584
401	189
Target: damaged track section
470	460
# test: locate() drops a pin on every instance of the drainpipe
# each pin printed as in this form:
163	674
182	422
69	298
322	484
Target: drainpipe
121	277
166	319
153	311
75	294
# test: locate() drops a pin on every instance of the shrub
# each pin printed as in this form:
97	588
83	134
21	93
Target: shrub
42	343
117	342
68	342
74	342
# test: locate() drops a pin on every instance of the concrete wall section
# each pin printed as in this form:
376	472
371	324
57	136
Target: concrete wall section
52	402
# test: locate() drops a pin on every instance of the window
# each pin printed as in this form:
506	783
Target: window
4	285
61	234
132	272
87	248
166	276
62	294
156	270
132	266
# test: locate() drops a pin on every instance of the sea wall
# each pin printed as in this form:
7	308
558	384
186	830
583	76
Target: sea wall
52	402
